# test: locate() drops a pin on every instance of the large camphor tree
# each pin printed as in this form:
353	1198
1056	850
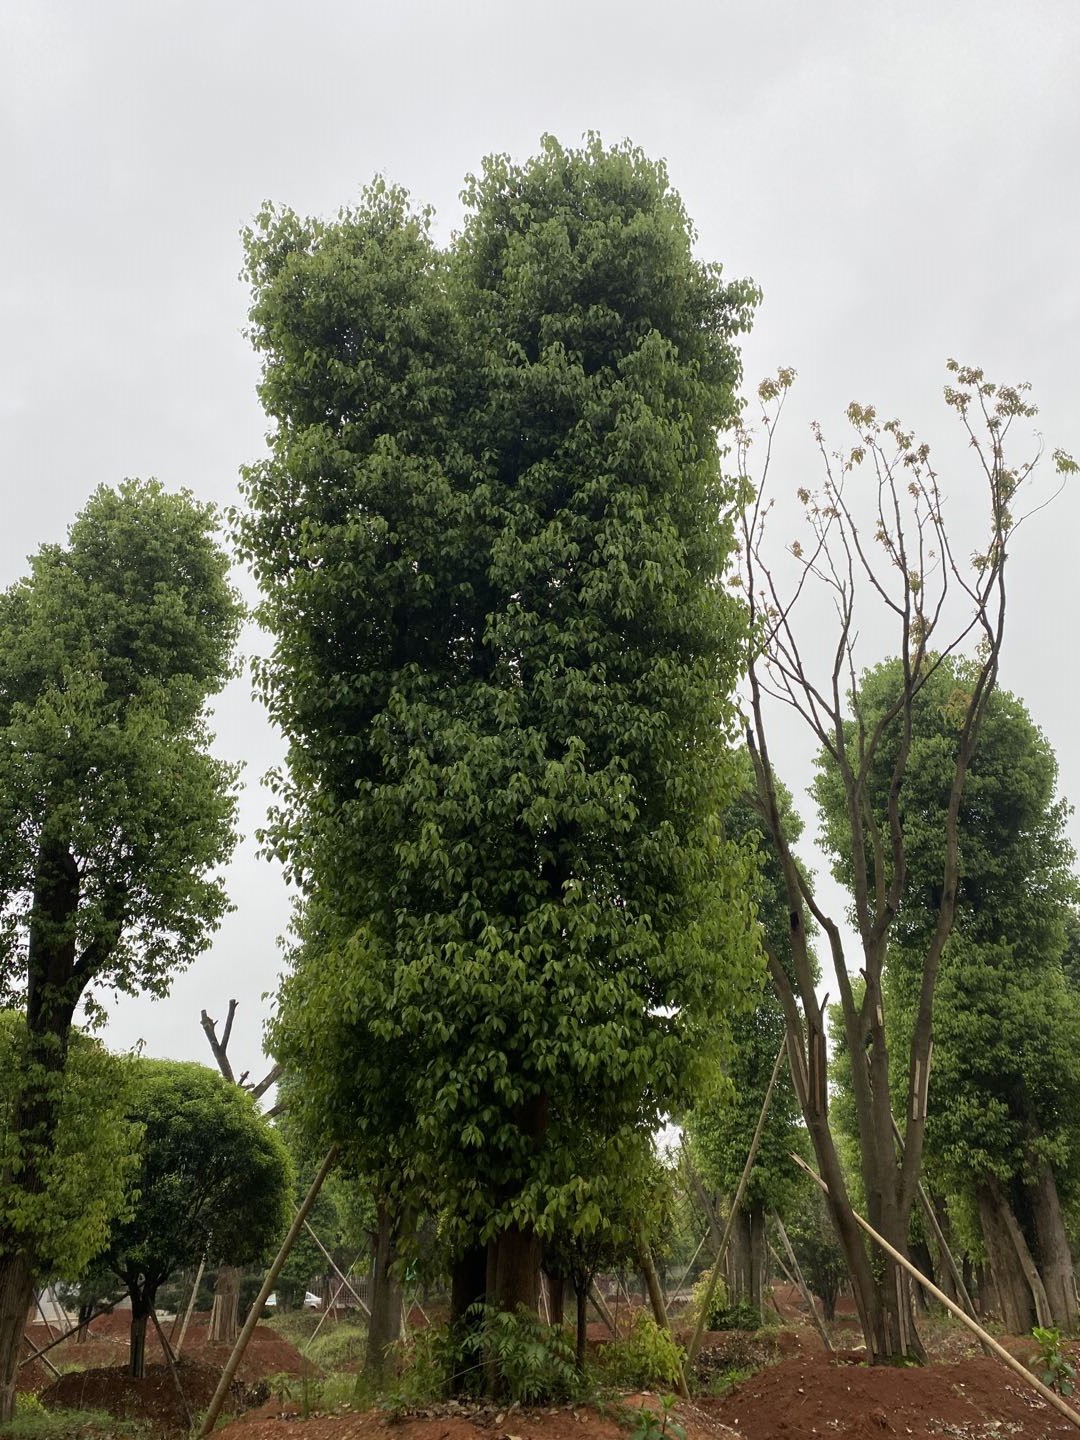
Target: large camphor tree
489	536
114	817
877	542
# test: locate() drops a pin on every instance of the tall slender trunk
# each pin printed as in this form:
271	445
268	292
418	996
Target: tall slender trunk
581	1293
1055	1257
140	1313
51	996
746	1258
384	1326
16	1297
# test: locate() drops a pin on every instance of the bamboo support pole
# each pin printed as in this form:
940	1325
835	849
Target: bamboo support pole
800	1282
44	1317
233	1362
930	1215
686	1272
170	1360
699	1328
331	1262
1050	1396
190	1305
40	1355
37	1354
600	1305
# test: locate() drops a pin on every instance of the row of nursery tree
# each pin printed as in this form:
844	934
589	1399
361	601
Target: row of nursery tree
530	640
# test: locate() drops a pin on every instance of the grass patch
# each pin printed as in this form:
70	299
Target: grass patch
338	1343
33	1422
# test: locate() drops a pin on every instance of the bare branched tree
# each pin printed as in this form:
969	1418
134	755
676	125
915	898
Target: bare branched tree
906	565
225	1315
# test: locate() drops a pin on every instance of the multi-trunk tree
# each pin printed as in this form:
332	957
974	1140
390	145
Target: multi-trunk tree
876	536
114	818
489	537
1005	1082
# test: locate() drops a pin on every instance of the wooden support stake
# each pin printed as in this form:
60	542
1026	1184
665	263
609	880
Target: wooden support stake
656	1299
190	1305
44	1317
233	1362
600	1305
37	1354
699	1328
170	1360
1050	1396
930	1215
330	1261
40	1355
803	1288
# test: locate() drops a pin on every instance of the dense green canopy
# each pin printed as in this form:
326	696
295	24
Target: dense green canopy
91	1160
489	536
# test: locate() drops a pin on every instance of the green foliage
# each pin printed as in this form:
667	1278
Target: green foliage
650	1424
428	1361
1005	1083
647	1358
338	1343
90	1164
722	1382
739	1316
534	1361
488	536
720	1131
109	650
215	1178
810	1230
1058	1370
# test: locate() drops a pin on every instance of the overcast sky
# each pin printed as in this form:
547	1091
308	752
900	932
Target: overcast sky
900	178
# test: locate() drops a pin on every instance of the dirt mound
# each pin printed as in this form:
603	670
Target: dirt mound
153	1398
107	1346
810	1397
462	1422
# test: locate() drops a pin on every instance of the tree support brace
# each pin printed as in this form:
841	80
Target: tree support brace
1050	1396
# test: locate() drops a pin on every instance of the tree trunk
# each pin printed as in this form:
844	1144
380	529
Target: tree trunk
468	1282
384	1326
16	1295
1013	1297
737	1261
140	1313
557	1295
52	993
517	1269
1055	1258
653	1287
581	1292
811	1082
86	1312
225	1314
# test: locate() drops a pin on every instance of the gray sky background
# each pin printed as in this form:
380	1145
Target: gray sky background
900	178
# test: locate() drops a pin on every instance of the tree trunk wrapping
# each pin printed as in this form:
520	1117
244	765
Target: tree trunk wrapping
225	1314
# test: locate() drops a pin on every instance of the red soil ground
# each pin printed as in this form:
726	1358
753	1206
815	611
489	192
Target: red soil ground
800	1393
101	1381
